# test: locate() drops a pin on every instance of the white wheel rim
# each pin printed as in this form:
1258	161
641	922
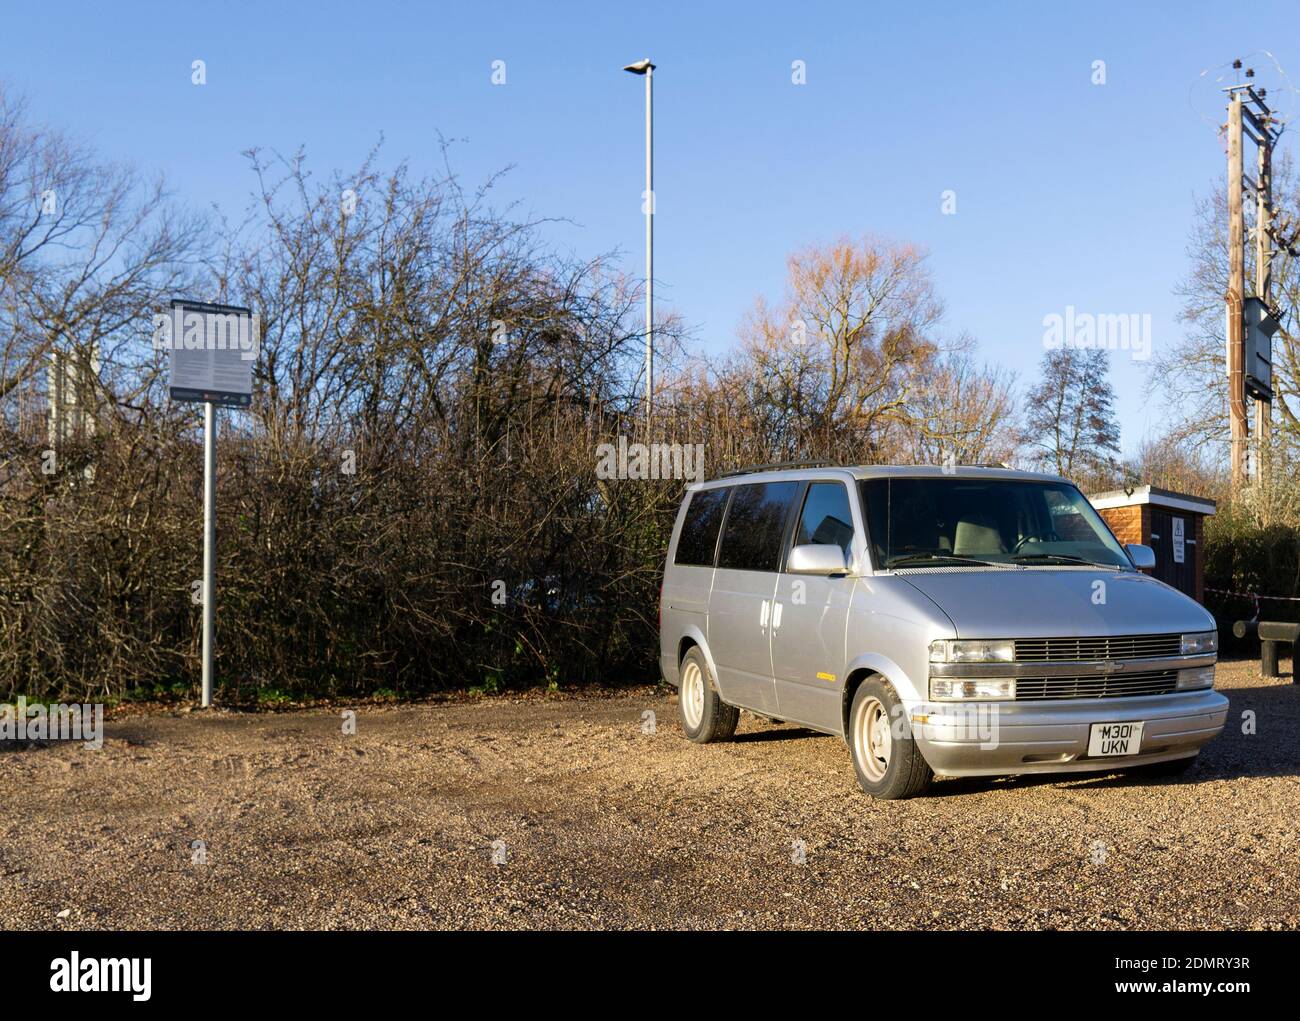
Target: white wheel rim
873	740
692	694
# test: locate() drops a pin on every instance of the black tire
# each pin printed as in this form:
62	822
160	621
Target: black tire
707	718
1170	767
900	770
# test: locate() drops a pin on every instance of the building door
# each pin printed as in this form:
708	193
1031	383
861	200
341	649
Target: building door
1171	537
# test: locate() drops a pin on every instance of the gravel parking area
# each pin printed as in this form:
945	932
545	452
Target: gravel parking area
573	812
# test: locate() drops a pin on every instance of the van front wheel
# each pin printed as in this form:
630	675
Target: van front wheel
885	757
705	717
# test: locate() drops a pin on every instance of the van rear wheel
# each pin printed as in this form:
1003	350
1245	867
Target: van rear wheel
885	756
705	717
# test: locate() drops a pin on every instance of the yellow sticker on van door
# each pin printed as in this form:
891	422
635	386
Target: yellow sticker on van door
822	676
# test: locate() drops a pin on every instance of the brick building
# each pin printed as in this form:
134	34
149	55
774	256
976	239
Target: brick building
1172	524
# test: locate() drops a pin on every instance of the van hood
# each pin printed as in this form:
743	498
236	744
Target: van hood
1051	603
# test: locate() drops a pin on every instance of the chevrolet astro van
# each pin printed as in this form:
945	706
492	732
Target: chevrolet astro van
956	621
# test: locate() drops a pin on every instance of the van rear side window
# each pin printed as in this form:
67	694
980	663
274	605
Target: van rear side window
699	535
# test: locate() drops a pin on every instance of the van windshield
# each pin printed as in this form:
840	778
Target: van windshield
950	521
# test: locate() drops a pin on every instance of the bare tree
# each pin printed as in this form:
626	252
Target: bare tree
87	252
961	410
1170	462
838	359
1070	424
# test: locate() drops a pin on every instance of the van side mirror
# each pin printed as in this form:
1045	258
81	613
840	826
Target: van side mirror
1143	557
817	559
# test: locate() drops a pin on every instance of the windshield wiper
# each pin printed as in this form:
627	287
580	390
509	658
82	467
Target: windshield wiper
922	558
1065	558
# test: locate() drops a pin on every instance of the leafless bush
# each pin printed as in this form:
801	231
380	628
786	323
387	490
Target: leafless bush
413	500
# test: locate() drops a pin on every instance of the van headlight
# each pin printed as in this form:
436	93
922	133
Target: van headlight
1196	677
962	650
957	689
1200	642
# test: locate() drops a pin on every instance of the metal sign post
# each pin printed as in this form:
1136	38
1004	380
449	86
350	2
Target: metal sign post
213	348
209	541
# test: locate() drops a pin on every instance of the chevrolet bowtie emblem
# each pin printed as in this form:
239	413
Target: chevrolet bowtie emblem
1111	667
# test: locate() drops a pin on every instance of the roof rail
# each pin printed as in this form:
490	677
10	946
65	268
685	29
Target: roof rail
776	466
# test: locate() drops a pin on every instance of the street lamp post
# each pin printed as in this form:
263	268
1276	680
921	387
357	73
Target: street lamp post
644	67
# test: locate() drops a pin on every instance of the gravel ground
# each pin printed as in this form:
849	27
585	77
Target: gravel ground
603	824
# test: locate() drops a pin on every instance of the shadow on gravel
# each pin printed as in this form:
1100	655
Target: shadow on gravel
792	733
21	746
957	786
1272	711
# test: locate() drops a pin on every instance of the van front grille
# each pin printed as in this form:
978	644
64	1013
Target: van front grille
1160	682
1055	650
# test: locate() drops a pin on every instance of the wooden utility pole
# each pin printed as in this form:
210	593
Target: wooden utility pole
1251	320
1235	296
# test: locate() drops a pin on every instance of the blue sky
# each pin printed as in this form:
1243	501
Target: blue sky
1068	193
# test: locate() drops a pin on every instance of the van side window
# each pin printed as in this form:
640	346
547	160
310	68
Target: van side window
826	519
751	539
699	538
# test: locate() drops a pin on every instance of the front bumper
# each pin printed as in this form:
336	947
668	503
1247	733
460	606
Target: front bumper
998	738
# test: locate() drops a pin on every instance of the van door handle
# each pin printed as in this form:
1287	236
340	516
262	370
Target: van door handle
762	615
776	615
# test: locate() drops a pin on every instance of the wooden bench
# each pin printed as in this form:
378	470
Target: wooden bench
1271	634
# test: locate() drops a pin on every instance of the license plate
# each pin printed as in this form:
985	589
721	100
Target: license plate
1115	739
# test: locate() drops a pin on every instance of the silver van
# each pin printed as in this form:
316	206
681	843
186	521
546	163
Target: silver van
961	621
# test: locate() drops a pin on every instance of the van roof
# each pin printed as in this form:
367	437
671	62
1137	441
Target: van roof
877	471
